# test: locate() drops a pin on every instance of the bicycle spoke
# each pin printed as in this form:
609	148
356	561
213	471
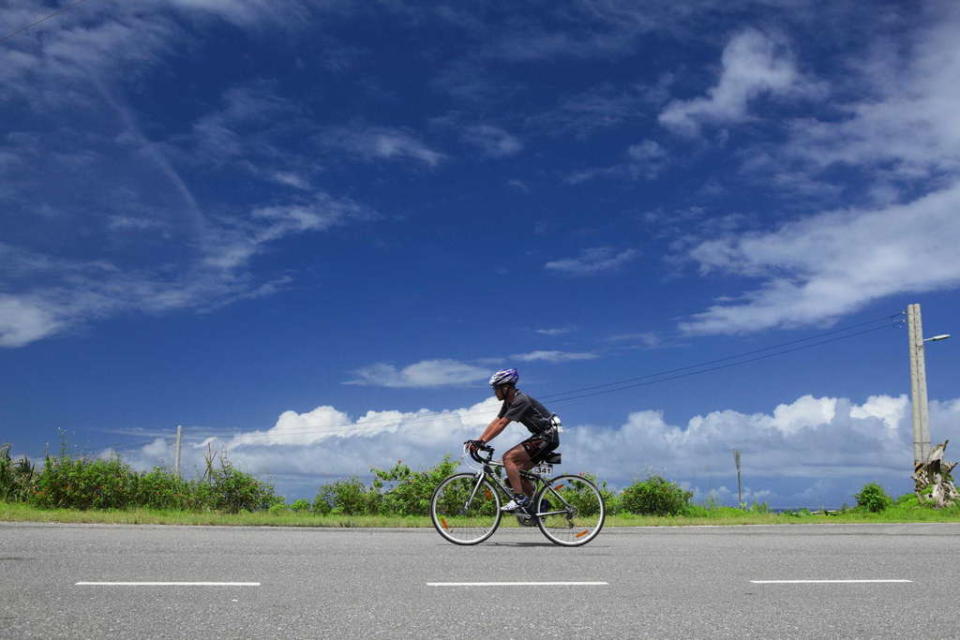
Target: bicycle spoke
464	509
571	512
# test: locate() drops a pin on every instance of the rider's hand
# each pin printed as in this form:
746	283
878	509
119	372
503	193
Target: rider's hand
474	444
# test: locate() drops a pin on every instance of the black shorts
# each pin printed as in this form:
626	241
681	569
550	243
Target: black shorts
540	445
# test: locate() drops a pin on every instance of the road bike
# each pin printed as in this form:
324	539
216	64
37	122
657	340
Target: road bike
465	507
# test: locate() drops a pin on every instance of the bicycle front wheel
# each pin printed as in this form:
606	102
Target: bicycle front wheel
465	509
570	510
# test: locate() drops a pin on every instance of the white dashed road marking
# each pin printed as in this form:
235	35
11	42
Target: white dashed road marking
167	584
824	581
516	584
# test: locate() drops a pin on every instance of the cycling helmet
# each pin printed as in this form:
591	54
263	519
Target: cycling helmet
504	376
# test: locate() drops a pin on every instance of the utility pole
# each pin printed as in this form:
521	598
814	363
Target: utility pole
176	464
918	383
736	459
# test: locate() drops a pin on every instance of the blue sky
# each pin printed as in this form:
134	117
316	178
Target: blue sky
310	230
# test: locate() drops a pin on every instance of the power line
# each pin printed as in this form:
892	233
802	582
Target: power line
724	366
884	319
43	19
843	333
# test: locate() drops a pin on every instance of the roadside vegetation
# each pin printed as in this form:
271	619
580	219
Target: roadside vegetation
69	489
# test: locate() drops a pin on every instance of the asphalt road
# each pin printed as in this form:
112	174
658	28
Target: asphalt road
361	583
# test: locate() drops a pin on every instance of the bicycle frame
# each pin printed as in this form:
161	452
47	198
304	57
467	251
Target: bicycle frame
540	484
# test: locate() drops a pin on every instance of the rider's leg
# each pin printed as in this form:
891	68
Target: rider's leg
515	460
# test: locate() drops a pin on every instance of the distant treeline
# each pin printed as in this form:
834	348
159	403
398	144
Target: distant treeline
69	482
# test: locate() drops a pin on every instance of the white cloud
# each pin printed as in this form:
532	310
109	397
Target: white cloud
831	264
75	292
23	320
154	248
810	452
292	180
374	143
908	127
601	107
647	339
426	373
555	331
647	151
644	160
754	64
904	140
492	141
553	356
249	13
593	261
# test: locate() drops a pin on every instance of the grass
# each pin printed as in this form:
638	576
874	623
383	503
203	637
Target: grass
905	510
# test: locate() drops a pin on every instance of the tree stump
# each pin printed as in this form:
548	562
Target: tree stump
932	480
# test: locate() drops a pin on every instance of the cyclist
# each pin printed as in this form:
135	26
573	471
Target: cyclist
519	407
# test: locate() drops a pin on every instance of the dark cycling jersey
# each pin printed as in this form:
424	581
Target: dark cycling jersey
526	410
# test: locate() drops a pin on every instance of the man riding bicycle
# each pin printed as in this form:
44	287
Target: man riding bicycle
519	407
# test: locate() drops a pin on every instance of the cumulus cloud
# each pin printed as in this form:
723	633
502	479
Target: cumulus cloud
813	451
832	264
592	261
426	373
753	64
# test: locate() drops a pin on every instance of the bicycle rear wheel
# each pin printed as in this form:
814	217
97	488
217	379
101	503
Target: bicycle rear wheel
465	509
570	510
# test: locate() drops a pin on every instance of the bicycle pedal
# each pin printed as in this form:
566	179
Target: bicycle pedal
526	521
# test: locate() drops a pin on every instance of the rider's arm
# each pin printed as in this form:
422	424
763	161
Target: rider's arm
494	429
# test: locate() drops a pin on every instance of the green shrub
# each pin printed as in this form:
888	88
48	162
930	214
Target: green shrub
655	496
907	500
85	484
873	498
759	507
299	506
347	497
234	491
583	498
17	477
406	492
162	489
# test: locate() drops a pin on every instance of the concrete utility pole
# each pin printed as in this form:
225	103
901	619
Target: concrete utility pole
736	459
176	464
918	383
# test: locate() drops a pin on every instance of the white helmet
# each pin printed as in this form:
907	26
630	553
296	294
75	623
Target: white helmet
504	376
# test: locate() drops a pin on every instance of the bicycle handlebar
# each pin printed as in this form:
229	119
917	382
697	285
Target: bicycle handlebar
474	453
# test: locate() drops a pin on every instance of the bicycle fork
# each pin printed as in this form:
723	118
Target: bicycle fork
473	493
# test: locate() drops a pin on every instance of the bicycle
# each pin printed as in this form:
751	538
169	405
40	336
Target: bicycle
465	507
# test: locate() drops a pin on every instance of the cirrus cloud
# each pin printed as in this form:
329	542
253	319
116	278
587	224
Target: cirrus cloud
553	356
593	261
822	267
